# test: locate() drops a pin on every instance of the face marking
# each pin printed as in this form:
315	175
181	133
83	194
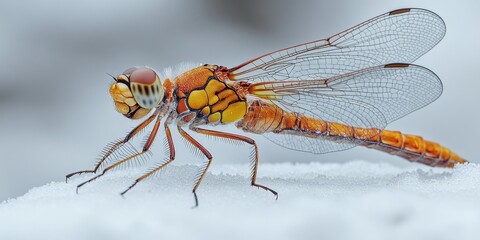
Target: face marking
130	102
141	112
147	90
122	107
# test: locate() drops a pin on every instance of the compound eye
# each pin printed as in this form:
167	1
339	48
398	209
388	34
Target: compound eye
146	87
143	76
129	71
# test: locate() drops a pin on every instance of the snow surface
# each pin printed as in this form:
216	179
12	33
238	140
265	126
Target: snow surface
355	200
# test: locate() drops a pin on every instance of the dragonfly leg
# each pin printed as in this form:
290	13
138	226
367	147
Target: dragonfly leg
147	146
116	145
171	148
205	152
243	139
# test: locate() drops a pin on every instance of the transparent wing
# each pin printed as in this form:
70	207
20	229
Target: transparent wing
310	145
368	98
399	36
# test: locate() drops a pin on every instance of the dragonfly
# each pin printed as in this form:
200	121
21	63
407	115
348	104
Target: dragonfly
318	97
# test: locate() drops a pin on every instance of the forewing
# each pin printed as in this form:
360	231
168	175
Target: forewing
367	98
399	36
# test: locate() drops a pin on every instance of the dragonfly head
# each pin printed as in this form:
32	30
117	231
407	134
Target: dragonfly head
136	92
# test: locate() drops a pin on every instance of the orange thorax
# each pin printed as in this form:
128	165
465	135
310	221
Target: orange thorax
199	90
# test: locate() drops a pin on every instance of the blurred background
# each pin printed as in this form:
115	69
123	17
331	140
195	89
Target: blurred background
56	114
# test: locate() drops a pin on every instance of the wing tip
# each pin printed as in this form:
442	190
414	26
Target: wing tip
413	10
421	68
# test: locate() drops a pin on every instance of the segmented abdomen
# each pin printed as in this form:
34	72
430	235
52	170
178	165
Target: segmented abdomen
262	118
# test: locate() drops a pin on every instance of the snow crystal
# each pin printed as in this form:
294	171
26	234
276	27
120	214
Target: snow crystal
356	200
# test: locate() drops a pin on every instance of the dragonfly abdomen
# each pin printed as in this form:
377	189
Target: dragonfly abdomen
413	148
262	118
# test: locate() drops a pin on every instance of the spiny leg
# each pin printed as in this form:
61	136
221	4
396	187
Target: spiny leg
172	156
243	139
203	150
147	146
116	145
